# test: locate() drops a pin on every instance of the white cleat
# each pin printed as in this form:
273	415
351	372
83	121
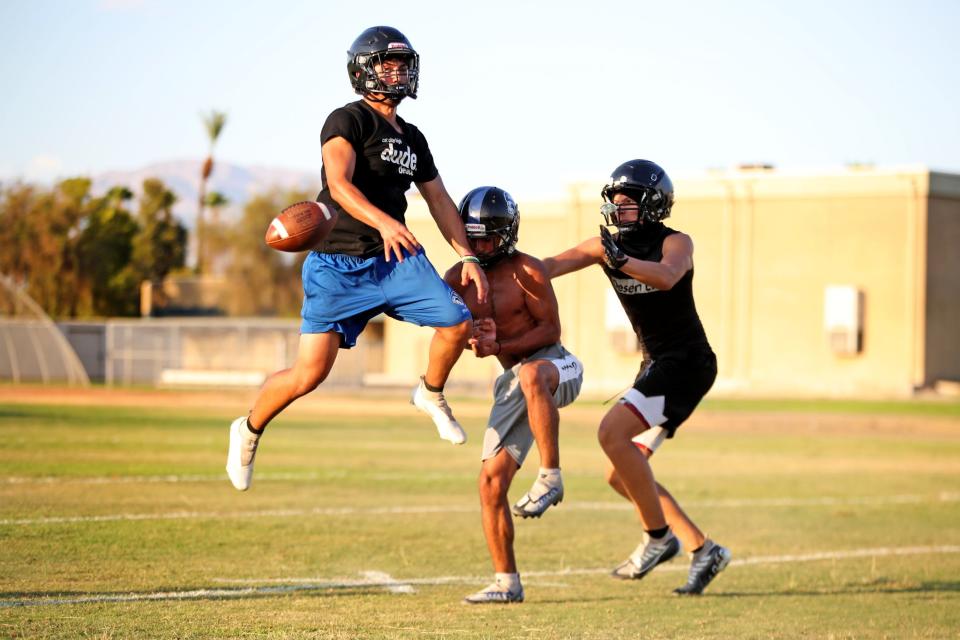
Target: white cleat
435	405
495	593
240	455
540	498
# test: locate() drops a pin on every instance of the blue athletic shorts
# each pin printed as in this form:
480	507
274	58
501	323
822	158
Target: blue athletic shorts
342	293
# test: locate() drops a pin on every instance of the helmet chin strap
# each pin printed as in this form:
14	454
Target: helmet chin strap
488	261
499	253
383	97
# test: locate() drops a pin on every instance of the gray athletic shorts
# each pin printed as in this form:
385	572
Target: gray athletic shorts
509	427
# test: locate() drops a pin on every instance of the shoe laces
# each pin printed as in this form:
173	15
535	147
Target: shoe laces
703	561
650	550
539	490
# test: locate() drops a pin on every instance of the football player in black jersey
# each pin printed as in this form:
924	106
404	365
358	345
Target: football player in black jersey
371	263
650	267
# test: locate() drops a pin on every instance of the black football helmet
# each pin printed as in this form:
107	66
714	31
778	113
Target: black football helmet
644	181
489	211
370	49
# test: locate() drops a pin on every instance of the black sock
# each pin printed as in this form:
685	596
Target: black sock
432	388
656	534
255	432
700	548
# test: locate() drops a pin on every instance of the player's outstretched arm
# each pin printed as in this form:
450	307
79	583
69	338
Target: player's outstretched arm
339	161
588	252
677	260
447	217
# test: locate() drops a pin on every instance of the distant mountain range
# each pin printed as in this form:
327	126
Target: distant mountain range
237	183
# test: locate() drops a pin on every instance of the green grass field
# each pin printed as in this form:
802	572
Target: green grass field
118	522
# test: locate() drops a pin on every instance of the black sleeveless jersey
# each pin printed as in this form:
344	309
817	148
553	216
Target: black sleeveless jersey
666	322
387	163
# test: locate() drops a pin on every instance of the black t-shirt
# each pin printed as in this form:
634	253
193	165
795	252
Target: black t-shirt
666	322
387	162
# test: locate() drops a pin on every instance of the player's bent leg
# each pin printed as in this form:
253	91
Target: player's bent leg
615	434
614	481
316	354
538	382
446	347
680	523
315	357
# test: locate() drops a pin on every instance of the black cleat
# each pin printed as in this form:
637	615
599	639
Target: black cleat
704	569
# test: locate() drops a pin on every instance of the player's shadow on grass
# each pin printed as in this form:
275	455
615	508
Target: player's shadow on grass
7	412
878	588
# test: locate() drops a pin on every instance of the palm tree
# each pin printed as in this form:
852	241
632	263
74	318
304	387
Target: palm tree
214	240
213	122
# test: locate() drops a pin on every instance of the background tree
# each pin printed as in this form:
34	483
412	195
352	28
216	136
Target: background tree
160	246
80	256
213	122
216	238
104	282
51	265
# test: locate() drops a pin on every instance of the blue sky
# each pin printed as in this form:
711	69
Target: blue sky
526	95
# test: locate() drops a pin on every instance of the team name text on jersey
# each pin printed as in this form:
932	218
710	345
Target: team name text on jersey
405	160
629	286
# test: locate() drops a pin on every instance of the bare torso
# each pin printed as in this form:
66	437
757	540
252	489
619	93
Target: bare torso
521	302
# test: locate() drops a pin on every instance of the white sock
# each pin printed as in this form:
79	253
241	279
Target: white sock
511	581
248	434
550	477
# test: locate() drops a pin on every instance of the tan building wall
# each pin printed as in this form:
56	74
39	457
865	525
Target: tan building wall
767	246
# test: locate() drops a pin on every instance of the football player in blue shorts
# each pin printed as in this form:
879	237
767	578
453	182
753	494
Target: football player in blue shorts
371	263
650	267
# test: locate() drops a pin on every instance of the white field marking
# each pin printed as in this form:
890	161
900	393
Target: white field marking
217	477
393	586
171	479
426	509
266	513
822	501
288	585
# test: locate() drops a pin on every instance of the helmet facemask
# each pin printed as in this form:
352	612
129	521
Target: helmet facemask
506	245
650	206
391	84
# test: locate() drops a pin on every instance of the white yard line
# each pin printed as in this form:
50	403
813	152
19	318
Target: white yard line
377	579
393	586
218	477
426	509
